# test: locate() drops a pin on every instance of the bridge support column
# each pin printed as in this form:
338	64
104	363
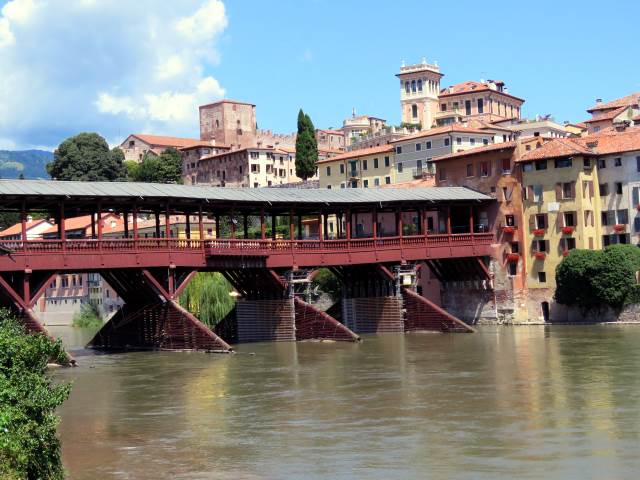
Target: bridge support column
151	318
273	309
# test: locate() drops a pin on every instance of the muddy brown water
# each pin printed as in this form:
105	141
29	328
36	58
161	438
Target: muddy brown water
507	402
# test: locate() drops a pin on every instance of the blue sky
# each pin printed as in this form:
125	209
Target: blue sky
84	65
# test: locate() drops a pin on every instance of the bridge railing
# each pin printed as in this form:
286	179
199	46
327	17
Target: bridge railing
239	245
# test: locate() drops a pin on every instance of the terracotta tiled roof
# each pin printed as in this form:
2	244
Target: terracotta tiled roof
609	115
17	228
162	141
596	144
174	220
478	150
619	102
471	87
84	222
204	144
440	130
363	152
331	132
418	183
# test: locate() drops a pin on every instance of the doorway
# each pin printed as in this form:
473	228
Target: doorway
545	311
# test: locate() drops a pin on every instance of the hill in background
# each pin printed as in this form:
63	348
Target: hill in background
30	163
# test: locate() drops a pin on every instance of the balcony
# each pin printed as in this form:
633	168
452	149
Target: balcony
354	173
417	172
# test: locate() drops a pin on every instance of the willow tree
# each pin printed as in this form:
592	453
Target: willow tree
208	297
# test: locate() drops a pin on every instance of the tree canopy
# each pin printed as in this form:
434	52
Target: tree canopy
306	147
593	279
29	447
86	157
164	168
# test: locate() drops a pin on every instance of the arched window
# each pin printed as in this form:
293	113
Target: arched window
414	111
419	85
413	86
217	123
406	87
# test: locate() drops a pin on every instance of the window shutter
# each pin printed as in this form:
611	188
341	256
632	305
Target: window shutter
530	192
636	224
591	190
558	191
534	246
636	196
573	189
532	222
575	218
546	220
611	217
547	248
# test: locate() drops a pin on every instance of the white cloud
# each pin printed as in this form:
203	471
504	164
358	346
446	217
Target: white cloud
112	66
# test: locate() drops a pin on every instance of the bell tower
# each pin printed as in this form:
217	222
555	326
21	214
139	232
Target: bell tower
419	89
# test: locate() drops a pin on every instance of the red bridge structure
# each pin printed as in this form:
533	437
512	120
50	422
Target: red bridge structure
266	241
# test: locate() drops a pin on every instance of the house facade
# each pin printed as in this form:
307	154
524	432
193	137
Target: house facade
364	168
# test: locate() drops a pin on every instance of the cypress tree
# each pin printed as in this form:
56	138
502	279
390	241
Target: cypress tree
306	147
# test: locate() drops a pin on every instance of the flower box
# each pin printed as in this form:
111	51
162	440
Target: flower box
567	230
638	207
509	230
619	227
540	255
565	253
513	257
539	232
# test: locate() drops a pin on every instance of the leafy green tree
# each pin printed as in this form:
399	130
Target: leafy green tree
306	147
86	157
88	317
592	279
29	447
328	283
131	167
164	168
207	297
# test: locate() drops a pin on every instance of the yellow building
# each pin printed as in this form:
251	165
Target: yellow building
368	167
561	207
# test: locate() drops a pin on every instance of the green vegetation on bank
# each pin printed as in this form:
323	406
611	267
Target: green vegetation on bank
87	317
306	147
29	447
207	297
164	168
593	279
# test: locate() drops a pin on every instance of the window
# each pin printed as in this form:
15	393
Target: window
506	165
365	165
458	141
563	162
343	185
567	190
428	145
387	180
469	169
542	277
635	196
484	169
342	168
512	268
420	85
255	185
467	107
603	188
623	216
386	161
375	163
568	243
602	163
619	188
541	221
569	219
638	164
510	220
480	105
398	149
608	217
447	142
376	182
399	167
537	193
406	87
255	168
636	224
472	141
254	155
485	141
617	162
414	111
527	167
328	171
413	86
365	183
442	174
541	165
418	147
586	162
443	107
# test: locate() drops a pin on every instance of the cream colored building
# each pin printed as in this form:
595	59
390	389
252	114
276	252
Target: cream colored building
364	168
137	145
358	126
419	89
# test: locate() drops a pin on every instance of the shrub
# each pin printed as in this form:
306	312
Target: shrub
328	283
87	317
29	447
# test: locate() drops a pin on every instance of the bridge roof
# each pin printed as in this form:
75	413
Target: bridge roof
32	189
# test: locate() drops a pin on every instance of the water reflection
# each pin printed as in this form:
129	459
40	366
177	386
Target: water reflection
525	402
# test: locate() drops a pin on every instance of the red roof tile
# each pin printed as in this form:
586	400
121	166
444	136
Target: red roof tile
608	115
619	102
471	87
84	222
478	150
440	130
162	141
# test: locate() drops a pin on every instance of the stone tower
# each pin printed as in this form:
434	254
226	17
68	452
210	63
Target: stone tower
229	123
419	89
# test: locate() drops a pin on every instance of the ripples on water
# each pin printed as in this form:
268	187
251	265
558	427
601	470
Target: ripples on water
512	402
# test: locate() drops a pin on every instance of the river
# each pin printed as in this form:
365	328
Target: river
559	402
